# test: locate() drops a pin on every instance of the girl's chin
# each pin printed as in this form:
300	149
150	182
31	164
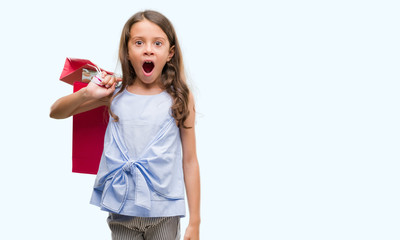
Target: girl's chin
148	80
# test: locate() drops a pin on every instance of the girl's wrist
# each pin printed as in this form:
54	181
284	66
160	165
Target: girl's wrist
194	221
84	93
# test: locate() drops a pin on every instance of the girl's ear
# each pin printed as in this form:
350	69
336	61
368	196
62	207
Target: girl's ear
171	53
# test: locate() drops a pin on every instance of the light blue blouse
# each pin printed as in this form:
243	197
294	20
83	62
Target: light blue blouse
140	172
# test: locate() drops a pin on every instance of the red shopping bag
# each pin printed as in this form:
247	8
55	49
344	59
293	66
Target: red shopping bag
74	70
88	127
88	137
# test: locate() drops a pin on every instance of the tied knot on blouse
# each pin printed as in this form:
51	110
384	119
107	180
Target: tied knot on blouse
127	171
129	166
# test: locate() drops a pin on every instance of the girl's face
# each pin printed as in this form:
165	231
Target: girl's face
148	50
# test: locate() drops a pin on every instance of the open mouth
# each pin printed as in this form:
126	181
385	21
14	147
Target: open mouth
148	66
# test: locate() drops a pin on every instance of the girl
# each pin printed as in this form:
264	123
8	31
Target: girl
149	147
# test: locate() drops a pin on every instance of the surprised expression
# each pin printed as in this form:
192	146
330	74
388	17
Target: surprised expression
149	50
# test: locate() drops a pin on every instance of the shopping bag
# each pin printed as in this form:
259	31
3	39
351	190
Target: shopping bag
78	70
88	127
88	137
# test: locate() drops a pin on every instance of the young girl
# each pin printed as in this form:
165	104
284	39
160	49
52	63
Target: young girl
149	151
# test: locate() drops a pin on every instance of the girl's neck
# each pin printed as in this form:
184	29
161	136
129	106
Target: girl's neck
140	88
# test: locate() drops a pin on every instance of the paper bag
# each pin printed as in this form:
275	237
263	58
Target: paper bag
89	127
75	68
88	137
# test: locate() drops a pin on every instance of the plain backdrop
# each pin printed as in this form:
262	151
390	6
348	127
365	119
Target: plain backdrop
297	126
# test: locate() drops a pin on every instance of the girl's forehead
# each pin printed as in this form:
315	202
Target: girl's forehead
145	28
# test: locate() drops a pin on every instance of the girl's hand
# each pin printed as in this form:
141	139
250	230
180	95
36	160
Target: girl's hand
109	80
85	99
95	91
192	232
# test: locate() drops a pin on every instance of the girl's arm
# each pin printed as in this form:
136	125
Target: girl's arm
191	173
85	99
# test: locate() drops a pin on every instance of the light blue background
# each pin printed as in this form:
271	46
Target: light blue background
298	124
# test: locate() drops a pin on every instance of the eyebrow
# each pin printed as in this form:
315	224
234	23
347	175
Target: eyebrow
134	37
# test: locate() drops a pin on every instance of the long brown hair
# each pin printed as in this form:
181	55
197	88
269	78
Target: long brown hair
173	77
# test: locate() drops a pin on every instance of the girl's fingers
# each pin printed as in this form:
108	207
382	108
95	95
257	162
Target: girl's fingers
111	89
111	81
108	81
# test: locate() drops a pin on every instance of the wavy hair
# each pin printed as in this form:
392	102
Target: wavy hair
173	77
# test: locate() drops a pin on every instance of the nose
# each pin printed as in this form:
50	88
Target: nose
148	50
